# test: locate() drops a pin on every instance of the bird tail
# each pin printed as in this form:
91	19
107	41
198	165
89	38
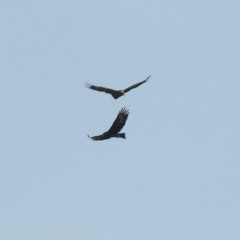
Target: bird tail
121	135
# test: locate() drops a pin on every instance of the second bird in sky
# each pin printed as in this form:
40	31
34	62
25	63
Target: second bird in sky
116	93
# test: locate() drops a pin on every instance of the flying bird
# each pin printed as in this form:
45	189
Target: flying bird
116	127
116	93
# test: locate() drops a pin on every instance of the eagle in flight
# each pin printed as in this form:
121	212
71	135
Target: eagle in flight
116	127
116	93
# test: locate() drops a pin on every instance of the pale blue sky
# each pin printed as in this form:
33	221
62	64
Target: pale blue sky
176	176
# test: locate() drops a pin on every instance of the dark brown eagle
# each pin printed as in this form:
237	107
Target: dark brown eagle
116	127
116	93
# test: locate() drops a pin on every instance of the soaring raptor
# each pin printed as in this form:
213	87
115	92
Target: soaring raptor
116	127
116	93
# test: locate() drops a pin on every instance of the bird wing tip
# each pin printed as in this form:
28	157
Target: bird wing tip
148	77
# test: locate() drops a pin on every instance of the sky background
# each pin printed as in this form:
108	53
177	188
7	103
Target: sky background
176	176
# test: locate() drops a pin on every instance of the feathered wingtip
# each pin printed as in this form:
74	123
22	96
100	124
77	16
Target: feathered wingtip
90	137
97	138
88	85
147	77
124	111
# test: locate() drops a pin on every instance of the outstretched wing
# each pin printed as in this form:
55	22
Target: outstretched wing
98	138
100	89
136	85
119	122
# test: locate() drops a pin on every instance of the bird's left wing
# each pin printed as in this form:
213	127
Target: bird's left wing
119	122
136	85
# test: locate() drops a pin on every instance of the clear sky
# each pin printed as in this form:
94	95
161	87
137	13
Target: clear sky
176	176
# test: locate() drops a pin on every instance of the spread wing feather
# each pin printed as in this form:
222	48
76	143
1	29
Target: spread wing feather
119	122
136	85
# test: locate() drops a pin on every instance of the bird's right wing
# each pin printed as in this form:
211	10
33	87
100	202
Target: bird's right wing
98	138
99	89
